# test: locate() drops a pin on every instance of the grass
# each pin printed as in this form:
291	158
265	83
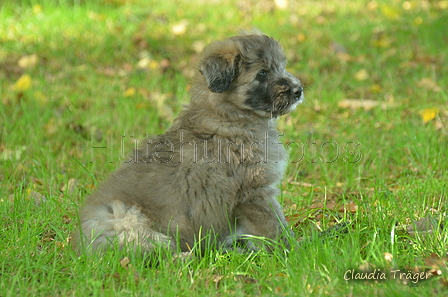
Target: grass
109	70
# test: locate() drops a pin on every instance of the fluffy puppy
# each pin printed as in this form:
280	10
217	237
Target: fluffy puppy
216	171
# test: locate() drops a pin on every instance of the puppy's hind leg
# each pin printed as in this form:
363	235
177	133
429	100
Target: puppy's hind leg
260	221
117	221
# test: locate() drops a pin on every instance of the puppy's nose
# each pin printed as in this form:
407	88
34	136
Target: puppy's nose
297	91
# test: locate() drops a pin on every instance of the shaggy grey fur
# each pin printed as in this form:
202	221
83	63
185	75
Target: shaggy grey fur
216	170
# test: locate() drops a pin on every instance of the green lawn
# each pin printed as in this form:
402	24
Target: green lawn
368	146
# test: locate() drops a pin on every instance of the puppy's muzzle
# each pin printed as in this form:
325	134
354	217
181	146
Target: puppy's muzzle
297	92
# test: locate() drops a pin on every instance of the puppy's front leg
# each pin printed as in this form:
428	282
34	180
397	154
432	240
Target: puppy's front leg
260	218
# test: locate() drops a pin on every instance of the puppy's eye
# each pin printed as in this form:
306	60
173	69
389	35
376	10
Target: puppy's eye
262	75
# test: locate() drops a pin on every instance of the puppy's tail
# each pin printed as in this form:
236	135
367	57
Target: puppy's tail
117	223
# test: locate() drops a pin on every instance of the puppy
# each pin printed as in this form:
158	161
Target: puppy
216	171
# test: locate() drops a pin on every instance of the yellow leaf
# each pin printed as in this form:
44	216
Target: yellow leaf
361	75
390	12
153	65
144	63
429	84
22	84
407	5
37	9
357	104
129	92
428	114
28	61
301	37
40	97
372	5
418	21
180	28
142	105
382	41
281	4
443	4
376	88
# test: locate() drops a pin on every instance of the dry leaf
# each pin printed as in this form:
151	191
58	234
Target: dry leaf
301	37
301	184
27	62
346	207
359	103
159	99
23	83
37	9
70	187
281	4
390	12
429	84
388	257
147	63
437	264
13	154
349	207
217	278
428	114
361	75
372	5
36	197
124	262
129	92
198	46
337	47
180	28
40	97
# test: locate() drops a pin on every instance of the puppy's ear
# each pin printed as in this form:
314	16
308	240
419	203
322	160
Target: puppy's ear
219	67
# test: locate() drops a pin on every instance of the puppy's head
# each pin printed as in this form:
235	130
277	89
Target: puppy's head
250	71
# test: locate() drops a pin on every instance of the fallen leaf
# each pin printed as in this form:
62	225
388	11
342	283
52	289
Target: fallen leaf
372	5
147	63
436	264
345	207
390	12
349	207
428	114
364	104
37	9
40	97
70	187
198	46
124	262
142	105
52	126
13	154
388	257
23	83
36	197
27	62
429	84
281	4
180	28
217	278
301	37
129	92
418	21
376	88
301	184
361	75
159	100
337	47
